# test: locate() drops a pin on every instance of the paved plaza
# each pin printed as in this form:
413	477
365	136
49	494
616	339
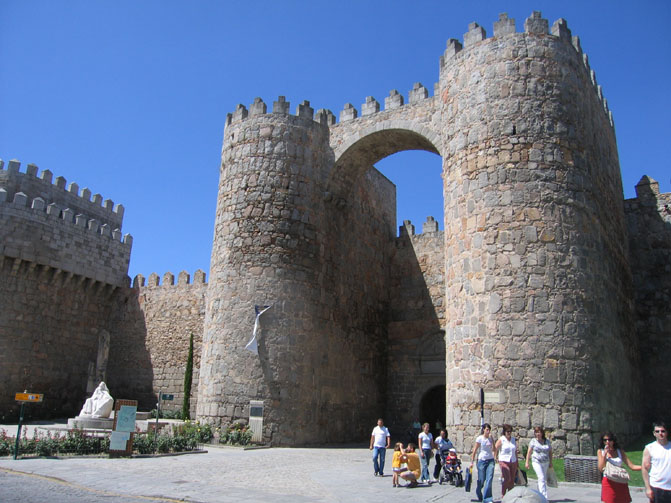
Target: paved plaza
227	474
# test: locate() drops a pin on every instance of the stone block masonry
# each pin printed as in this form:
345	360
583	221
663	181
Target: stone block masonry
416	329
51	325
81	238
649	226
62	262
320	258
535	241
160	317
543	286
534	229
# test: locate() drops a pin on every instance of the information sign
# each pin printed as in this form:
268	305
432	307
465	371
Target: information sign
29	397
167	397
126	418
494	396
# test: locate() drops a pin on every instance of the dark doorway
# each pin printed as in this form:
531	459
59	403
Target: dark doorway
432	408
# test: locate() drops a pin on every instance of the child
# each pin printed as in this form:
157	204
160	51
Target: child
396	463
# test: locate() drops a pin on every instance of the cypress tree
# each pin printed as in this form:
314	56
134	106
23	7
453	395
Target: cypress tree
188	376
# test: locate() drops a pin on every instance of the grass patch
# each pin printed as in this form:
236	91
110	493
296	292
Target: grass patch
557	464
634	452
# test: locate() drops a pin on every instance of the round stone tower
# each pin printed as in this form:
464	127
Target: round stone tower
278	233
264	253
537	283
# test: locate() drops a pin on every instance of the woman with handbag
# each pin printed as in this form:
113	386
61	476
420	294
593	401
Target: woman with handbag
540	455
615	481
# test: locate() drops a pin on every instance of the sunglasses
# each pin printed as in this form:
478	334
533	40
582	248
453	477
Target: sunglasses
607	439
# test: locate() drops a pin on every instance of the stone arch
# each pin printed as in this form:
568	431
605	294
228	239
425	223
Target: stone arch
357	148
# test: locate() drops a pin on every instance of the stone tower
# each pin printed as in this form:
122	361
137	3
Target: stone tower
537	283
278	238
538	286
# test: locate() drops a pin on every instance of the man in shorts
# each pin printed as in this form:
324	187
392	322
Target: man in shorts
379	442
411	458
656	466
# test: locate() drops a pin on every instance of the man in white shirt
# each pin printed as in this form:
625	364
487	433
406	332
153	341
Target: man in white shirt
379	442
656	466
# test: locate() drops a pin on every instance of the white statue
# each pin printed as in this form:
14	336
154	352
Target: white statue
100	404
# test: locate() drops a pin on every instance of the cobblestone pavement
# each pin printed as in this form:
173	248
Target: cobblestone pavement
232	475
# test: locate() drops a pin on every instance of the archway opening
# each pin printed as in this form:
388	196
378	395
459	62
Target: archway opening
419	186
432	408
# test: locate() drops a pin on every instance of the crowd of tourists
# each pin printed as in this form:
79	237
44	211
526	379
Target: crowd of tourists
411	462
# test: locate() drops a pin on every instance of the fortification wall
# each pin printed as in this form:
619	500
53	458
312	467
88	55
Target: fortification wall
36	226
538	282
281	239
54	326
416	342
34	183
166	314
62	262
649	225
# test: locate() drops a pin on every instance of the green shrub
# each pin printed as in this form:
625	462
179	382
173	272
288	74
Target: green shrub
201	433
6	443
166	414
188	378
143	443
236	434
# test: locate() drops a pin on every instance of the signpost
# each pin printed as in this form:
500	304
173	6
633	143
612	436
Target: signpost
482	408
161	396
24	398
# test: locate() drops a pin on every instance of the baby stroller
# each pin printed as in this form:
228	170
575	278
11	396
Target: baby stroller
451	470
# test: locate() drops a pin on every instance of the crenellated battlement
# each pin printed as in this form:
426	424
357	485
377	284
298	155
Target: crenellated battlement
534	25
35	184
326	117
168	280
430	227
67	215
46	224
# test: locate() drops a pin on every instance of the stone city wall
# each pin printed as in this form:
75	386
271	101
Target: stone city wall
52	323
62	261
416	341
649	225
150	346
37	226
34	183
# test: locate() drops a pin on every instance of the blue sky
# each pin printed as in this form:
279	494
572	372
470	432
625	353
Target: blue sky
129	98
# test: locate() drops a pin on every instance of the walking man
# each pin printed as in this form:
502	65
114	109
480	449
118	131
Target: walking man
657	466
379	442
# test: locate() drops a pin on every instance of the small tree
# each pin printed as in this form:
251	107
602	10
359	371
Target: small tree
188	377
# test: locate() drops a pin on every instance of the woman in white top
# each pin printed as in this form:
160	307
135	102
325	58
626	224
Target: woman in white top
485	449
540	453
506	448
426	446
610	452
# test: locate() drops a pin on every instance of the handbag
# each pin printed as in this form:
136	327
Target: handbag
521	477
616	473
551	478
467	480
